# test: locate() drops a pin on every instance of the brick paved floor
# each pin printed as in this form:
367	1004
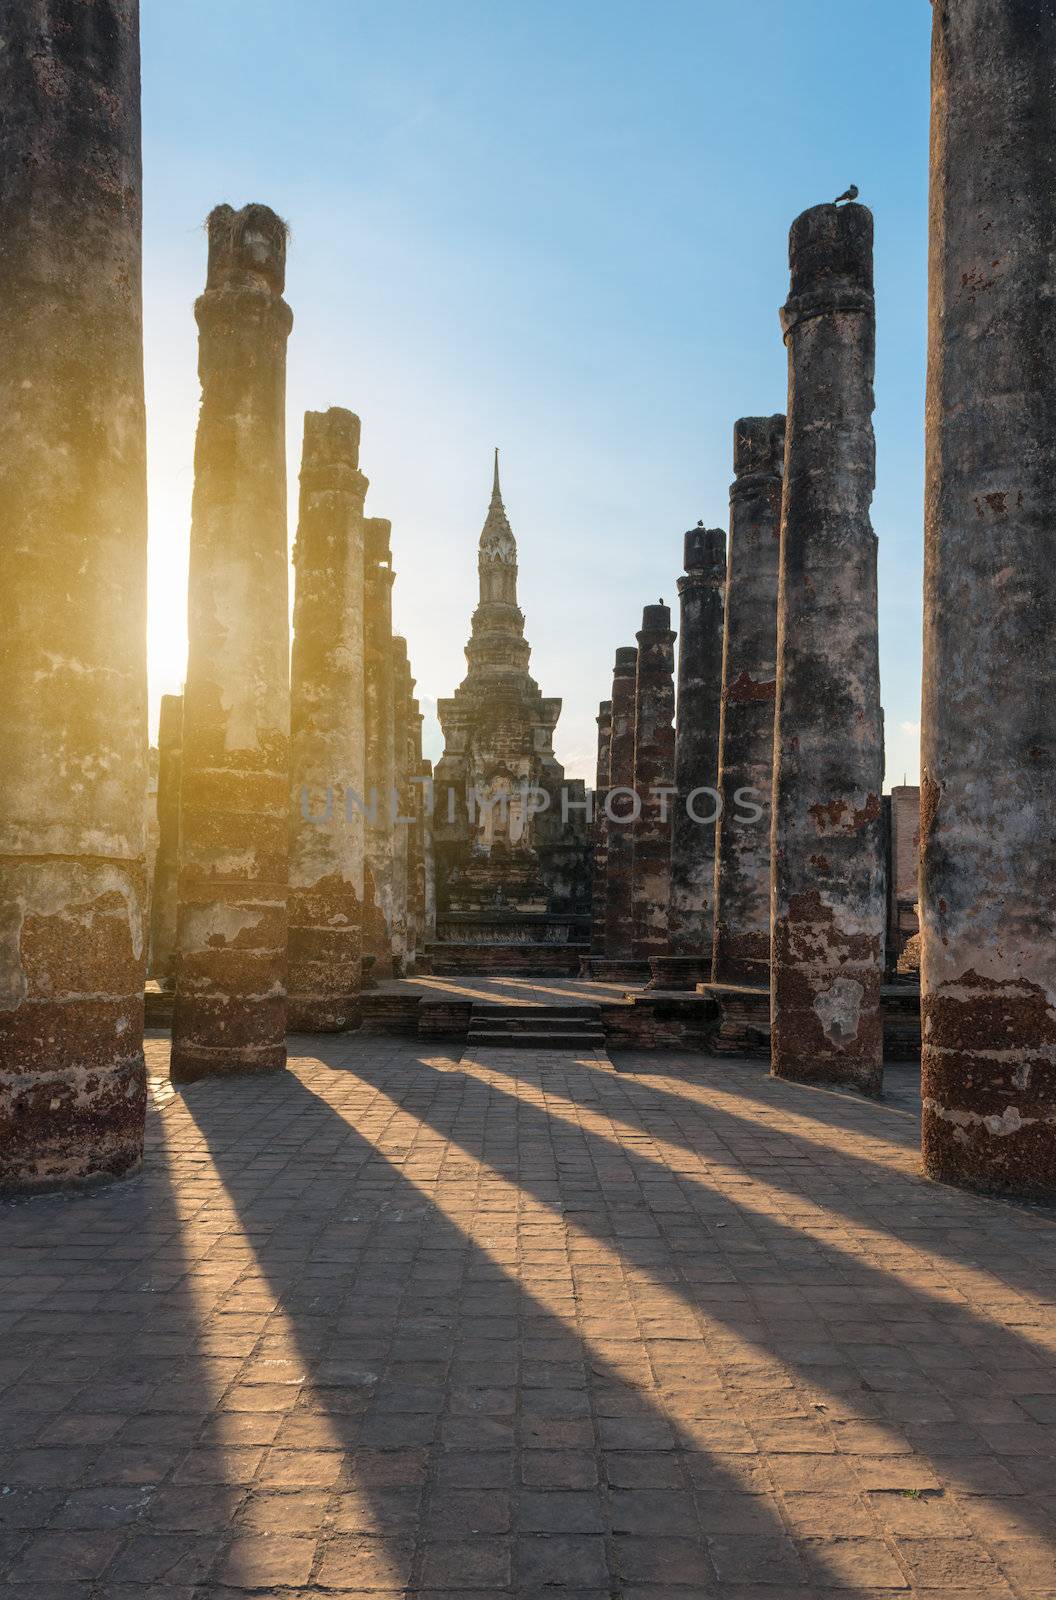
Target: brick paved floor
399	1324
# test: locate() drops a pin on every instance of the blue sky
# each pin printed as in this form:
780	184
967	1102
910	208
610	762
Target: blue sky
556	227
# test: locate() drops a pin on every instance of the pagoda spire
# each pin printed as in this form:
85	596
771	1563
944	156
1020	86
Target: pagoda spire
497	544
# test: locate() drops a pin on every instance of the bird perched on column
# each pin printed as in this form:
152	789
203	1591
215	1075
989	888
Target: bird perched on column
848	194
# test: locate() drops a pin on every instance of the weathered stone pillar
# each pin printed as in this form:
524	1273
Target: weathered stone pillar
654	770
380	746
428	856
415	866
167	860
326	731
828	860
701	591
749	678
401	803
988	747
73	543
230	1014
599	859
619	811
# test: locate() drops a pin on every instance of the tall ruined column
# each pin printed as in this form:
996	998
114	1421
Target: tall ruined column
401	801
598	883
828	860
746	730
380	746
326	731
73	550
230	1014
428	855
701	593
415	863
654	770
167	860
988	747
619	811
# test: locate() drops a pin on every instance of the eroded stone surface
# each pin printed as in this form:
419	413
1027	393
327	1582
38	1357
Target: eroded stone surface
702	595
619	922
654	770
988	785
73	539
380	745
327	731
749	683
230	1013
163	894
828	896
600	853
403	801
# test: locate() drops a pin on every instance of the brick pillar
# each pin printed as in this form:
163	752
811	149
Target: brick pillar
73	543
599	857
326	731
619	865
402	800
701	591
988	780
749	679
167	860
828	896
654	768
230	1013
380	745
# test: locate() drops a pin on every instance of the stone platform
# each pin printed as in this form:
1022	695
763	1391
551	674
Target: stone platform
417	1321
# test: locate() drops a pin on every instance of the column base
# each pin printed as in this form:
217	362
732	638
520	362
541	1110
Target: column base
744	1019
678	972
600	970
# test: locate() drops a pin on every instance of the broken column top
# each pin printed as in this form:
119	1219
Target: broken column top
705	550
377	534
626	661
759	444
655	619
830	255
247	249
604	710
330	437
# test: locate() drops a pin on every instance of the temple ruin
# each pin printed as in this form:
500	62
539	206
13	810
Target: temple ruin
736	881
462	1181
511	840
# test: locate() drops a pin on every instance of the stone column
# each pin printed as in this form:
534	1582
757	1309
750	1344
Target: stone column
167	860
428	857
326	731
230	1014
988	781
619	866
598	885
654	770
828	861
416	866
73	543
401	802
746	730
701	592
380	746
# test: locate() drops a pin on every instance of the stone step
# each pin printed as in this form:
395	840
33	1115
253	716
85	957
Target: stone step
536	1041
536	1024
516	1014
